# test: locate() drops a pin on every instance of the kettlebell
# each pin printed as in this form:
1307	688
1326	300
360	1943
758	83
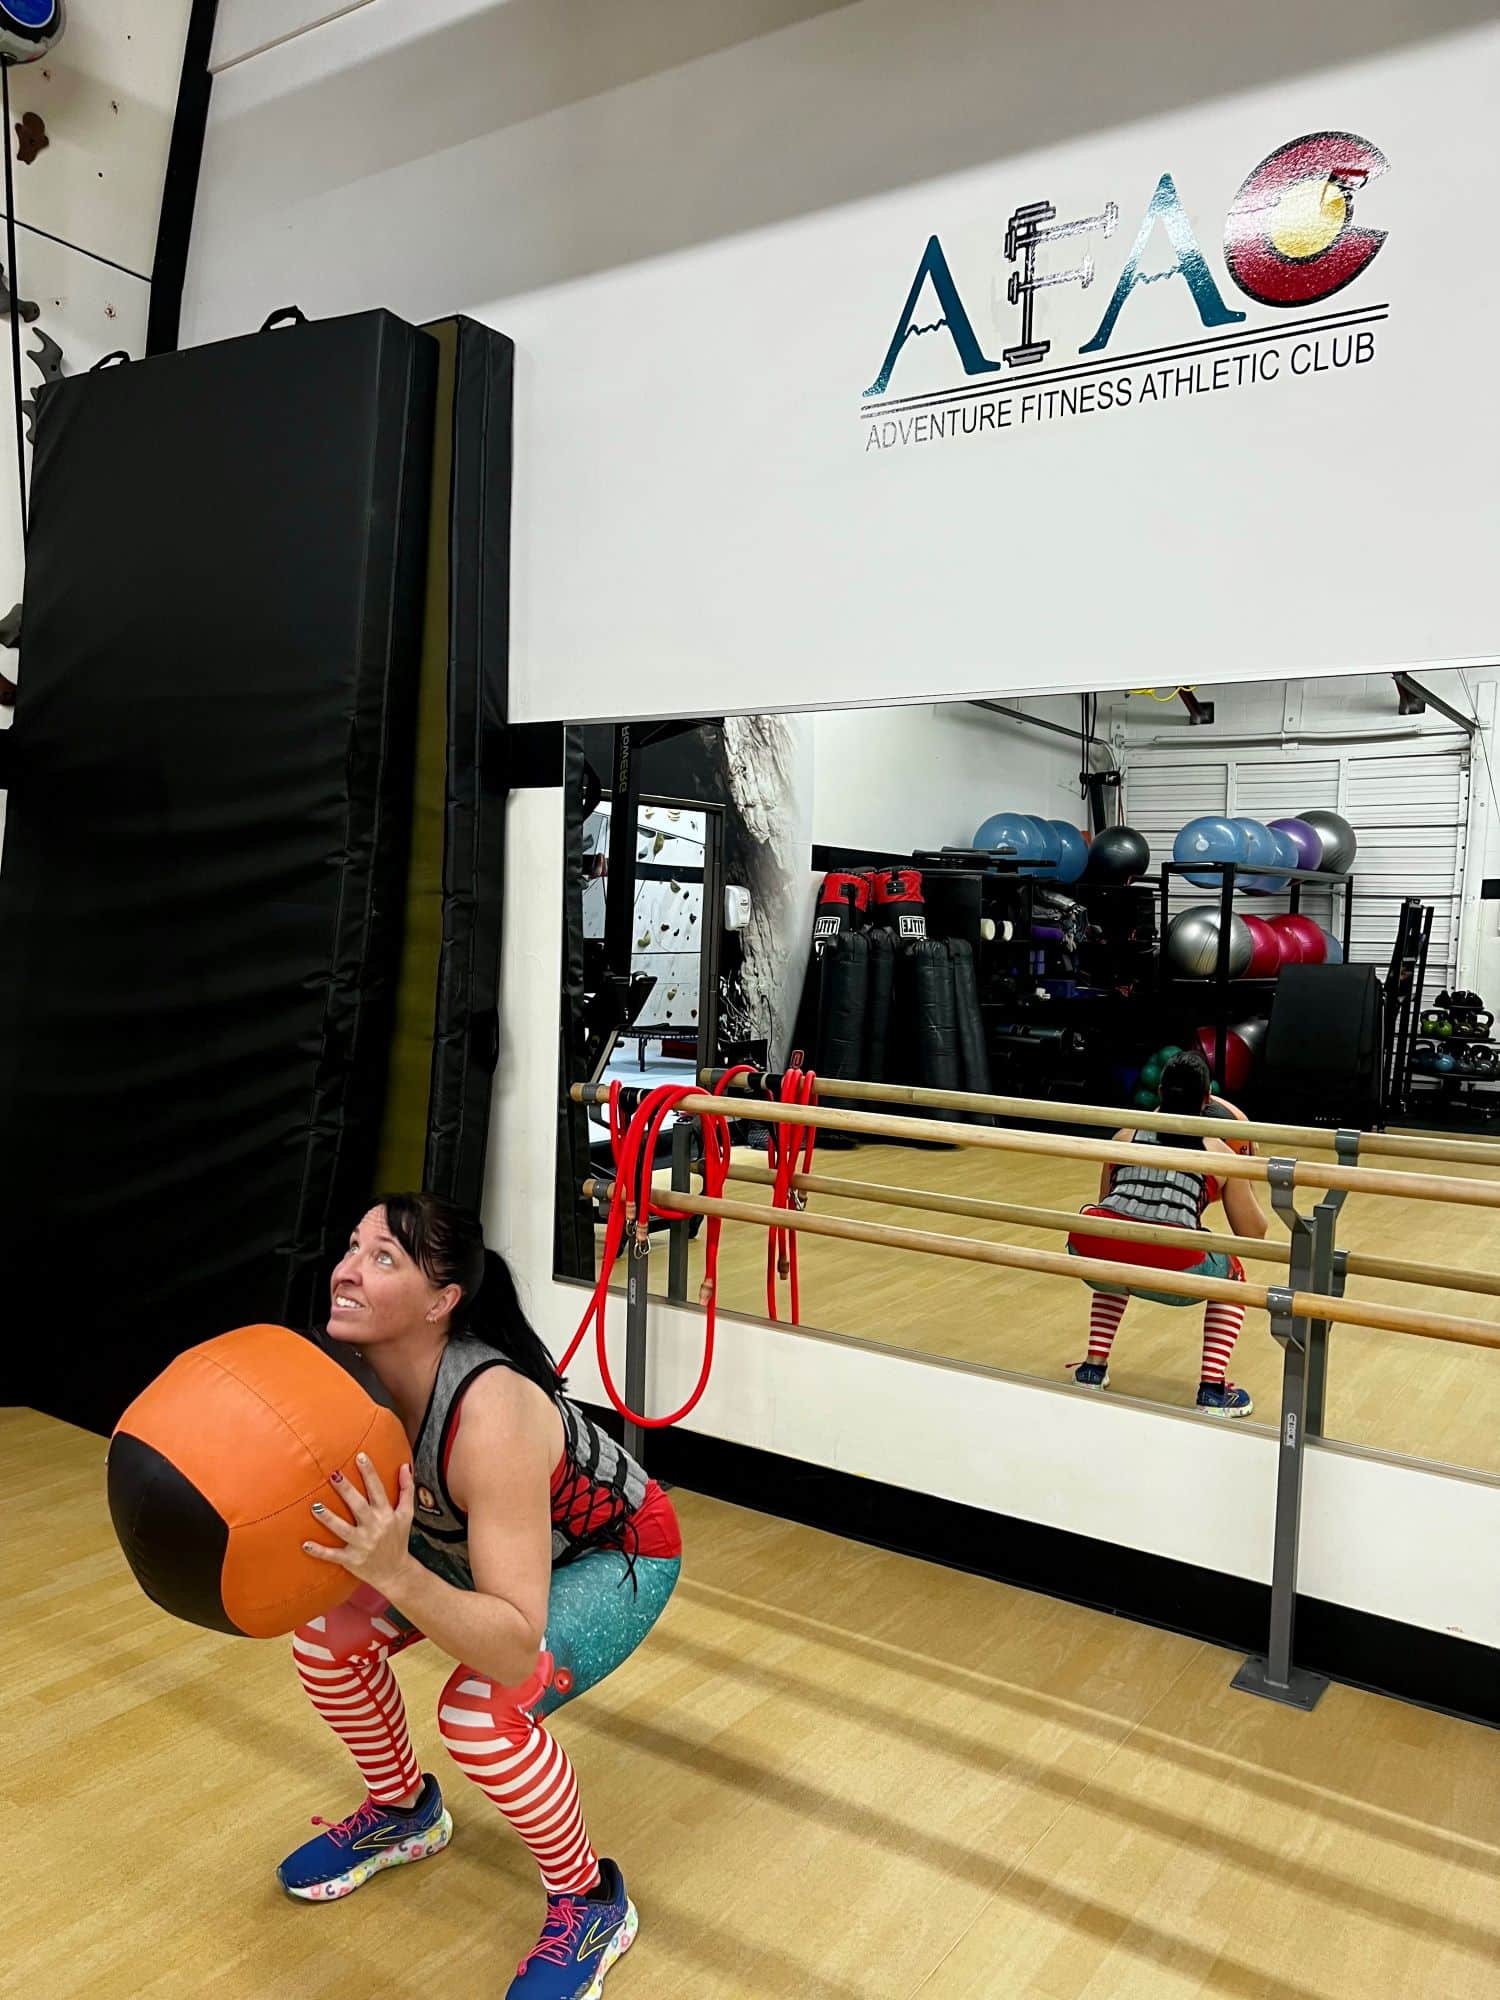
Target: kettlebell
1470	1016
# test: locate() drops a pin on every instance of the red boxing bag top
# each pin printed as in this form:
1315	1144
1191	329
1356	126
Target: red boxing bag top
843	901
899	902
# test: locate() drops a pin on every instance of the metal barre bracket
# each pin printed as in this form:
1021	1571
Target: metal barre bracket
1281	1178
1346	1152
1279	1303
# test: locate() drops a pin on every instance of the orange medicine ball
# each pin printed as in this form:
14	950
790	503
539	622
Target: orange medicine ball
1220	1107
214	1468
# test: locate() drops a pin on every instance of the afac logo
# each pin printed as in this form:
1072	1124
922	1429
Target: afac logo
1290	240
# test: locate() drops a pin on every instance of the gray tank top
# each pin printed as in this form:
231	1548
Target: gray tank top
596	1491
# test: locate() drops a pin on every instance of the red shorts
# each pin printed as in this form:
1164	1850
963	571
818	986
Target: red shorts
654	1521
1125	1250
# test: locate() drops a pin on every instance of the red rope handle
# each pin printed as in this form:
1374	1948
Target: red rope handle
633	1204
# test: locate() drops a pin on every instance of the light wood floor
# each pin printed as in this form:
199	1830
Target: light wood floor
831	1774
1421	1398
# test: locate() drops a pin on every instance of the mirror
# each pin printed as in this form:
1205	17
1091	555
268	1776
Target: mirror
1028	897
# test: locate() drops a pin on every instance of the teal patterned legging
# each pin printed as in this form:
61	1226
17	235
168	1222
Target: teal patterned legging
595	1619
596	1614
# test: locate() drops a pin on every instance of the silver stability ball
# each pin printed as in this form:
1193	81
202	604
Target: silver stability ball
1337	836
1252	1034
29	29
1192	945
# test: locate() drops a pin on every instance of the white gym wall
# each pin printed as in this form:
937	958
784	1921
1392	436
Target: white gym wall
903	778
703	267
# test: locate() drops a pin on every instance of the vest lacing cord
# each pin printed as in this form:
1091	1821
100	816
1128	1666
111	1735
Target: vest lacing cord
617	1531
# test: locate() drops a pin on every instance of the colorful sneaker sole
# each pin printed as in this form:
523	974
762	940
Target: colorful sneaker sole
1219	1410
614	1951
418	1848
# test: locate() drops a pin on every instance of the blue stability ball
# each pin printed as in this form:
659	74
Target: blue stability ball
1074	851
29	29
1287	856
1335	952
1210	838
1260	842
1015	832
1051	848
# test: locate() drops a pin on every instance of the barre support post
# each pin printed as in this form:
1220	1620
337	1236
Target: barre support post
637	1313
1330	1268
1274	1676
679	1233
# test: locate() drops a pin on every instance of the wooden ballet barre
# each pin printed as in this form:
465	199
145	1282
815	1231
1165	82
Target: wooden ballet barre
1225	1166
1118	1118
1264	1250
1096	1270
1025	1217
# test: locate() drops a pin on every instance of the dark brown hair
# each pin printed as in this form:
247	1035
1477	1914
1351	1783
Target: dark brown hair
1184	1088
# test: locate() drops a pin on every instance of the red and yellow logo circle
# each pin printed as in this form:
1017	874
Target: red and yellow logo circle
1290	237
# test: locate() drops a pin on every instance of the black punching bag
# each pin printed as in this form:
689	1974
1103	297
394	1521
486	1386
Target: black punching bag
934	1023
844	972
878	1014
973	1054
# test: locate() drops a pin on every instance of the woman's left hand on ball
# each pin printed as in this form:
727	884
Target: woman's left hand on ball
374	1543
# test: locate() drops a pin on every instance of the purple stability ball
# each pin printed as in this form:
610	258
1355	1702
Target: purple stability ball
1306	839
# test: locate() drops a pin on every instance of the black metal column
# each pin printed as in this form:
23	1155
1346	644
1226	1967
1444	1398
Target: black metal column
624	820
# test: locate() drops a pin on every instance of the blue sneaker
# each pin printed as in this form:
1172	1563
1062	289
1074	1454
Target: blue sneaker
581	1939
338	1861
1092	1375
1223	1399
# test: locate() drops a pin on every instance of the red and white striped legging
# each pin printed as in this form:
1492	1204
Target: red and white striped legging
1221	1329
343	1660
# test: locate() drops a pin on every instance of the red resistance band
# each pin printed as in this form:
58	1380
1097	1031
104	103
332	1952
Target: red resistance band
636	1200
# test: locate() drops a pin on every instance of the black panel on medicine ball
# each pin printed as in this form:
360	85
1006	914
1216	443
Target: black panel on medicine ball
173	1538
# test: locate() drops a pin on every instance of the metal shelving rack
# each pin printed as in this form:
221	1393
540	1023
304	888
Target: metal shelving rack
1221	986
1459	1081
